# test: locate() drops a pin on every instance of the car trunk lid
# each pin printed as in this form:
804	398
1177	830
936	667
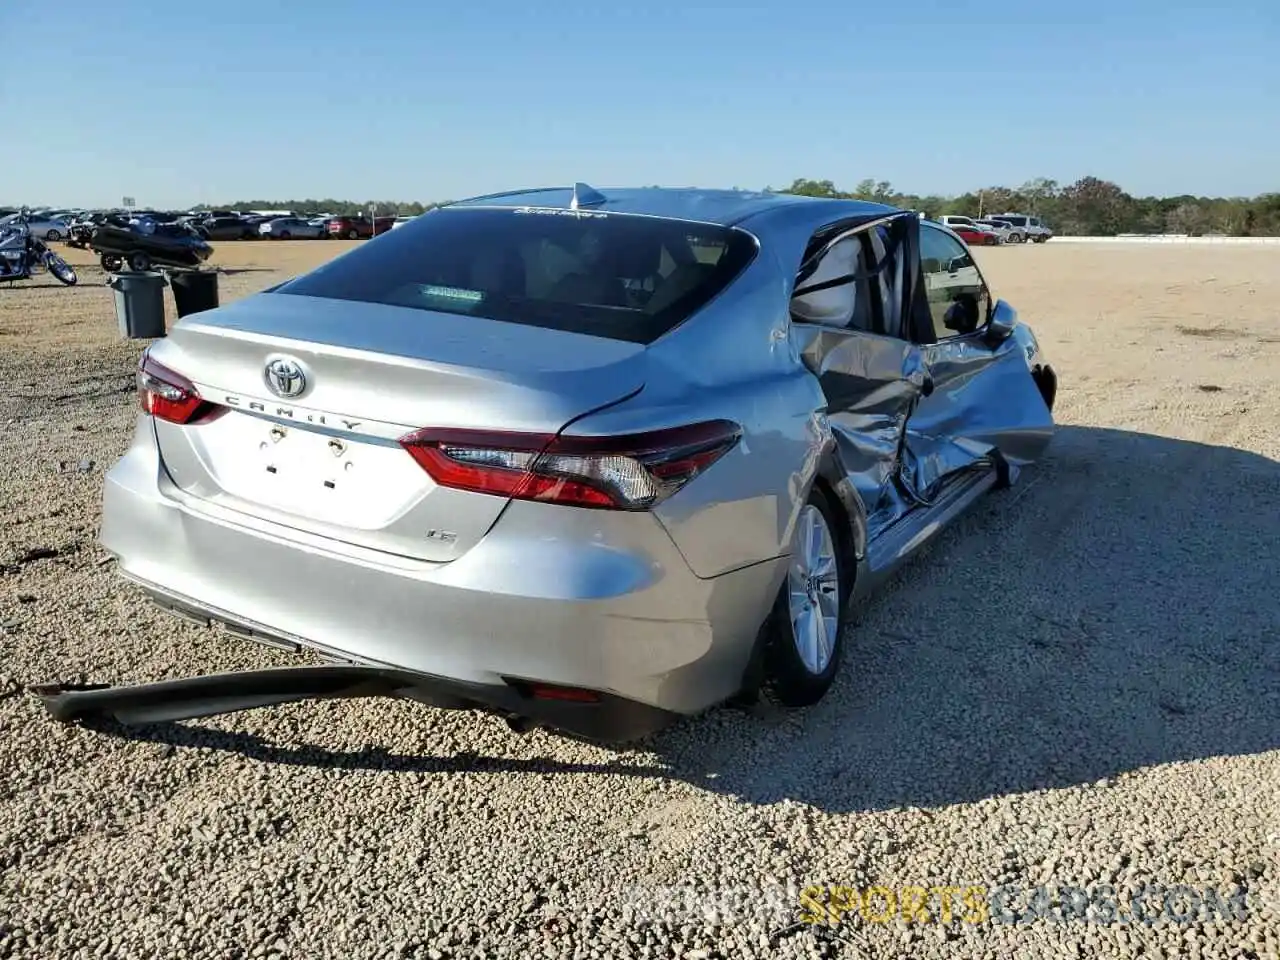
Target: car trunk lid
327	460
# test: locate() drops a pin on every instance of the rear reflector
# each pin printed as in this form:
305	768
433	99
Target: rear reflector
632	472
170	396
544	691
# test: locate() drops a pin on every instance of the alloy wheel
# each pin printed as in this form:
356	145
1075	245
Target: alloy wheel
813	591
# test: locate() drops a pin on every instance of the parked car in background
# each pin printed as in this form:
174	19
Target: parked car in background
1023	227
41	227
349	228
974	235
287	228
999	227
359	228
957	222
683	512
226	228
255	222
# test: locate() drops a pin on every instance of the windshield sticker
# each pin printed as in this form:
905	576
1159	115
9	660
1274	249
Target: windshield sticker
451	293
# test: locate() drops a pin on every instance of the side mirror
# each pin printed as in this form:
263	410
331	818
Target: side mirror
1002	323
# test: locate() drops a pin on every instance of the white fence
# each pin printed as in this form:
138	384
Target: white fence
1172	238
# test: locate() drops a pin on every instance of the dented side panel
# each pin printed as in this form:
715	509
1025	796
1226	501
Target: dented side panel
911	422
871	384
984	403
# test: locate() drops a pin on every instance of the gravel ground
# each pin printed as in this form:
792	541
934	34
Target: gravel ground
1079	685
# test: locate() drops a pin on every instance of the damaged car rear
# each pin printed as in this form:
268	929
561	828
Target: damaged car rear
582	459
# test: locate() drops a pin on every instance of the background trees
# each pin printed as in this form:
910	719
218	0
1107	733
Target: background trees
1089	206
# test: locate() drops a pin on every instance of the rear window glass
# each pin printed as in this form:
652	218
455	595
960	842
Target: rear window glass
618	276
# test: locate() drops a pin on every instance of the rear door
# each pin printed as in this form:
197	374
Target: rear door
851	317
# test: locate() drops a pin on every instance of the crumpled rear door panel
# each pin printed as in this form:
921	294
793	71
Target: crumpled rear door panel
871	384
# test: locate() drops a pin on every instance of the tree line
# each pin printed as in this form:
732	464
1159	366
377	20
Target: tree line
1088	207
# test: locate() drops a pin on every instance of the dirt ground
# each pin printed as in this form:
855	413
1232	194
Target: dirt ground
1080	684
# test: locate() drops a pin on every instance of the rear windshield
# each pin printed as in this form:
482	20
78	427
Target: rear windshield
618	276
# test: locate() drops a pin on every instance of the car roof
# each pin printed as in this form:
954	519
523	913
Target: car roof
723	207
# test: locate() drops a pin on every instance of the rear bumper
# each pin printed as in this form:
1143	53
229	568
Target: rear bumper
610	719
554	595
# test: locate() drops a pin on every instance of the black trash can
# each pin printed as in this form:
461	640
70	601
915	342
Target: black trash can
194	290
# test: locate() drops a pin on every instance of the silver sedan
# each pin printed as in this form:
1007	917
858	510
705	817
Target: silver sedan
291	228
49	229
588	460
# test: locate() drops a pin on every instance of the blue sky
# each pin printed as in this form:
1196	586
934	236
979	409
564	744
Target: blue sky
180	103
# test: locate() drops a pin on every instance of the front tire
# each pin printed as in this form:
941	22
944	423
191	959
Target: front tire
805	628
139	262
52	236
353	235
60	269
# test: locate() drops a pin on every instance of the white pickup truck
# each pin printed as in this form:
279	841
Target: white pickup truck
1023	227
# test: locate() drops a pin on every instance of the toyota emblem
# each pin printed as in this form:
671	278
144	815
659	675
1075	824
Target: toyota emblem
285	377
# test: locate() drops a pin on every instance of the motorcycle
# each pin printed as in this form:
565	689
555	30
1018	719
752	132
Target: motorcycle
22	255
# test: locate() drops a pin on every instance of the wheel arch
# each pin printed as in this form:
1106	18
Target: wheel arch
832	479
851	528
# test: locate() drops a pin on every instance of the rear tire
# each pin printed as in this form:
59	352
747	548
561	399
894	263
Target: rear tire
139	262
52	236
353	235
111	263
804	633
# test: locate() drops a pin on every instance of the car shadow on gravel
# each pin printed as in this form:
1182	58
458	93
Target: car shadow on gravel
1114	610
255	747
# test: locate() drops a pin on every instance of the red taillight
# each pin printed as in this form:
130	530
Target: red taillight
632	472
171	396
